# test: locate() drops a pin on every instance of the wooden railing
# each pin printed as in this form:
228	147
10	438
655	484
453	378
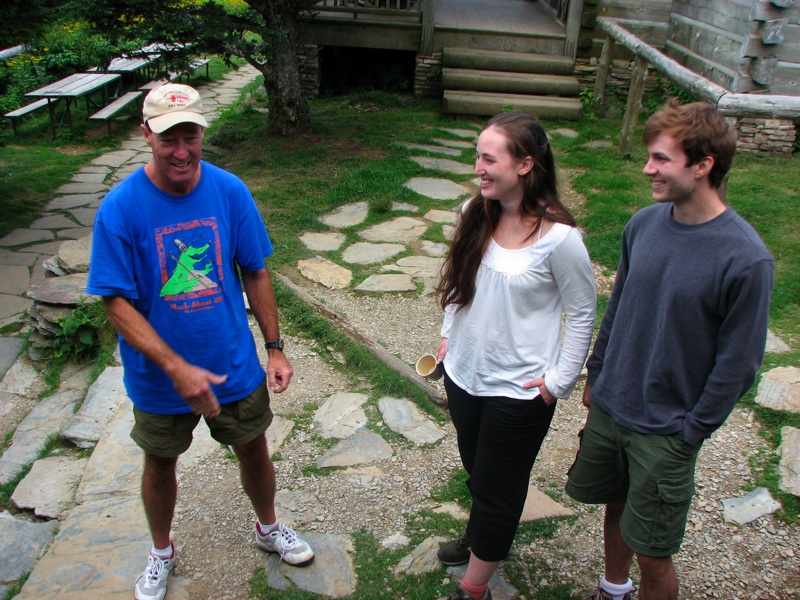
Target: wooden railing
386	8
727	103
421	12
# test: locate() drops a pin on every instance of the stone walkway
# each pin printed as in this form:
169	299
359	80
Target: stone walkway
92	506
78	499
399	235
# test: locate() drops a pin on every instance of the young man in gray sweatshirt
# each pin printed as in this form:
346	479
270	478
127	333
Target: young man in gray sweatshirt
680	343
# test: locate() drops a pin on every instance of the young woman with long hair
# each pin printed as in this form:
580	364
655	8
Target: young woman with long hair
517	266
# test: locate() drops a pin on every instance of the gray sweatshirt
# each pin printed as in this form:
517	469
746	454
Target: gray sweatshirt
684	332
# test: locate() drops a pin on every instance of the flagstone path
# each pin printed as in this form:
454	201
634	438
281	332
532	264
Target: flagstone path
92	506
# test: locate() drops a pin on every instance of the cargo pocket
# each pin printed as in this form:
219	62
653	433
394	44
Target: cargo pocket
669	522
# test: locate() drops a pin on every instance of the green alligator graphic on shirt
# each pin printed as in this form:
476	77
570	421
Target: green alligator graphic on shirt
185	278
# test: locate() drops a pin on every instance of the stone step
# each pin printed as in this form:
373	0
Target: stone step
506	81
488	104
515	62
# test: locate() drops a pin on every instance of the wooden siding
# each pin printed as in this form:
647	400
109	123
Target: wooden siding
647	20
729	15
787	79
720	47
730	42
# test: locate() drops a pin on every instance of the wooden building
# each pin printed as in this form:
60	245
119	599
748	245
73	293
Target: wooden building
741	45
482	56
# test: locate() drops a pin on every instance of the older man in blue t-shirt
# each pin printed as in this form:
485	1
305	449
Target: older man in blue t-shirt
170	245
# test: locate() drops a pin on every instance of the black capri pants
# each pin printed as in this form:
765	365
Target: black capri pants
498	440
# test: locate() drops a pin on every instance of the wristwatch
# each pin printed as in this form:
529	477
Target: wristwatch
277	344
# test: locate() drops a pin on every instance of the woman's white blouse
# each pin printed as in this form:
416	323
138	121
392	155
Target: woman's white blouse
511	331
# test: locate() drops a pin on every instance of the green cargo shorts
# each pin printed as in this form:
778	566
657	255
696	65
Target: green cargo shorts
238	422
651	475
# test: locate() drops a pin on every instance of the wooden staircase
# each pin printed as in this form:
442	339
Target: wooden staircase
486	82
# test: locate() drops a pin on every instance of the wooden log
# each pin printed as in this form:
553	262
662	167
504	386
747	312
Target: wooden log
382	355
573	28
729	104
773	32
753	105
786	79
763	10
602	76
763	69
428	24
789	51
634	104
693	83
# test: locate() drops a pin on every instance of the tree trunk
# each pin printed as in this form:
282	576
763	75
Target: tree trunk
288	109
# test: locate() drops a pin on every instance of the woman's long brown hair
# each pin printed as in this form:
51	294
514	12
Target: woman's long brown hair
480	218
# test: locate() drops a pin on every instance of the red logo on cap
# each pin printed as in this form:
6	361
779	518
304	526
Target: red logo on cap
179	98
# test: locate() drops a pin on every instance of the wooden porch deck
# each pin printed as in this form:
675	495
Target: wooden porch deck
499	16
511	25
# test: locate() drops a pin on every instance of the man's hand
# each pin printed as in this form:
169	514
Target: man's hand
543	391
279	371
587	401
193	384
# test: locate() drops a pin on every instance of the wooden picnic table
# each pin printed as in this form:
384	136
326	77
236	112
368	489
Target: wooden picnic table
73	87
125	65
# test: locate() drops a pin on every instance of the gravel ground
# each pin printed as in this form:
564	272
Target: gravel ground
214	522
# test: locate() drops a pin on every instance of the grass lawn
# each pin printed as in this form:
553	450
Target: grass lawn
353	151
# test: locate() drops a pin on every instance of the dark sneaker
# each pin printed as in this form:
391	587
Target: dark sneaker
152	584
460	594
455	552
285	542
600	594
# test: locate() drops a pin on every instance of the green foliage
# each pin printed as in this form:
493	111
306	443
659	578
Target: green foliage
673	89
70	48
589	102
24	20
455	490
78	338
63	50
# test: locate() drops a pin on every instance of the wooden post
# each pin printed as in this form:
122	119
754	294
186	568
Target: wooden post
428	23
574	13
602	76
634	103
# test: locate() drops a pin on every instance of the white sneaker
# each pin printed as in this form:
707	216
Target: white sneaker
285	542
152	584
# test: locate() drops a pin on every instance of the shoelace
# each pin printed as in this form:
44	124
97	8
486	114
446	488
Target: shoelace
155	567
288	538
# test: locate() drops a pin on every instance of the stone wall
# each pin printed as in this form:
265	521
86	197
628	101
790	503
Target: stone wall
428	76
619	75
766	137
308	60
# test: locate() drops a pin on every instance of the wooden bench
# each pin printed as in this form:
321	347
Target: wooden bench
173	75
199	62
151	85
24	110
108	112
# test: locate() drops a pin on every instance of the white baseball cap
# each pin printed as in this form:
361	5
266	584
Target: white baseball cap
170	104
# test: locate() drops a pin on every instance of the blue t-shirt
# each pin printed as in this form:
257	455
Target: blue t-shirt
175	259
